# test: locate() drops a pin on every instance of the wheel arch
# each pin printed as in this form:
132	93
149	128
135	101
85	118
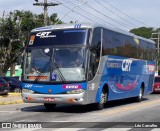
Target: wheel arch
104	86
143	87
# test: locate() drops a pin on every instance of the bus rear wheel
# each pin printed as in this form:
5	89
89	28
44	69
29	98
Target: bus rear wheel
49	107
140	96
103	100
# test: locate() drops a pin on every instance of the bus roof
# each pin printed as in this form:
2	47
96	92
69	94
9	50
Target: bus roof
88	25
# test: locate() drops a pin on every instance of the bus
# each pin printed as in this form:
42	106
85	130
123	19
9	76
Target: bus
112	65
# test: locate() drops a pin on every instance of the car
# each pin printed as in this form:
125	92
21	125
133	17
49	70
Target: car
156	88
4	87
14	83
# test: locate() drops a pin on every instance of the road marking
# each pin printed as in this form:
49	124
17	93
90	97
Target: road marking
113	111
59	121
115	129
68	129
132	107
126	129
155	129
107	129
10	111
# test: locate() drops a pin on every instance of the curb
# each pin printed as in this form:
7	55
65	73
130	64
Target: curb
7	99
10	94
11	102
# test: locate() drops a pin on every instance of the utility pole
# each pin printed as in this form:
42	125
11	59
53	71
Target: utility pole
156	38
45	5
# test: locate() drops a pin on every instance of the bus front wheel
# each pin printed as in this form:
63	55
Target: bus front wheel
103	100
49	107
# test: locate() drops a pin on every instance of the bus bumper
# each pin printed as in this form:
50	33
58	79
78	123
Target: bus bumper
54	98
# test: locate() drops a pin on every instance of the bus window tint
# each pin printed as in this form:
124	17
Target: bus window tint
118	44
112	43
36	59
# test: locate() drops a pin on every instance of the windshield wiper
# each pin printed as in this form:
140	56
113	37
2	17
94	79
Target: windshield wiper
59	72
46	66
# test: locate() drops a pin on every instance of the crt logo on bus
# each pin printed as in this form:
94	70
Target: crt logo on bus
45	35
126	65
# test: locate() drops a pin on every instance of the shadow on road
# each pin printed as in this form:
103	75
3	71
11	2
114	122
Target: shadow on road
80	108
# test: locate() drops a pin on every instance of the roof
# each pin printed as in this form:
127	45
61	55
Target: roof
88	25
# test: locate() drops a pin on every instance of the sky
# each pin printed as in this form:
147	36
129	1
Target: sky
122	14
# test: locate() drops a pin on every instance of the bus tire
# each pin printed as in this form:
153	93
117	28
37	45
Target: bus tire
140	96
49	107
17	90
103	100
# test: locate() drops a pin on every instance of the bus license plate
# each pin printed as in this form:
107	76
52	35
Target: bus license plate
48	99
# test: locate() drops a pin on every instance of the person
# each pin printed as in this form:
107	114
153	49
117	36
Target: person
78	63
59	63
34	70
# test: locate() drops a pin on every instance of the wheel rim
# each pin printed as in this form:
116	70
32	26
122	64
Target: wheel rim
140	94
17	90
103	98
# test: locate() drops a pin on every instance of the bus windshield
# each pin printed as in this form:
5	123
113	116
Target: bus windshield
55	64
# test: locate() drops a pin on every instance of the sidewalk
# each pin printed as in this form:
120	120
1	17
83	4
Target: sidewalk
11	98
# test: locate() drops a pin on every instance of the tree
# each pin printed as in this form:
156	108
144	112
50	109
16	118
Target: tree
14	31
54	19
9	42
143	32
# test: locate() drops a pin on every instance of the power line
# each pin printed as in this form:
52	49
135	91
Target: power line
60	12
93	15
122	24
115	13
86	16
70	11
101	19
80	14
126	14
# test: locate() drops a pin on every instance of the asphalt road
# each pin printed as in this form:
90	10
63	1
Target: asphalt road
117	114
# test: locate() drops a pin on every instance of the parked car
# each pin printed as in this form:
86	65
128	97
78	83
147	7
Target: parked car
156	84
14	83
4	87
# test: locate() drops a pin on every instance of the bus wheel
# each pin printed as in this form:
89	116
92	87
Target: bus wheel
140	96
49	107
103	100
17	90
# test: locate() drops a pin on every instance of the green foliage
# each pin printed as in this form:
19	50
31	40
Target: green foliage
143	32
54	20
14	30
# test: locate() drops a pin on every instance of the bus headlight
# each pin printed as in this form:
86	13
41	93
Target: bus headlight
27	91
75	91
